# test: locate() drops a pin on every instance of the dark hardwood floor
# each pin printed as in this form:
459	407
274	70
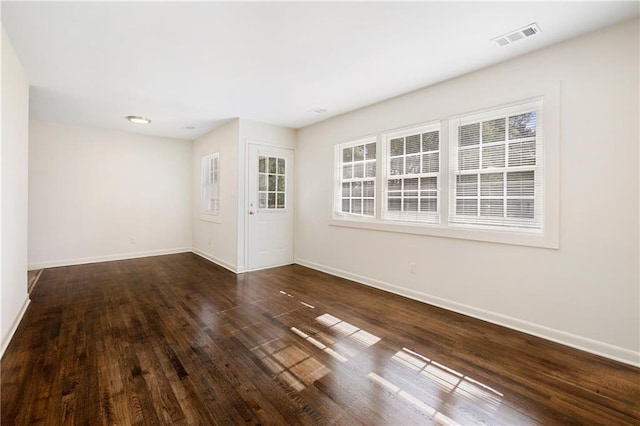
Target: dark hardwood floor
178	340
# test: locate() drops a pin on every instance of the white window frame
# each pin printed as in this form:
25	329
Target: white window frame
403	216
264	191
503	223
210	187
548	236
340	179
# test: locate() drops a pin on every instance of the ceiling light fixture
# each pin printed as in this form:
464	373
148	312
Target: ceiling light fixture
138	120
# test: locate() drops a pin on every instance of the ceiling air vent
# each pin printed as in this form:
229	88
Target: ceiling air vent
519	34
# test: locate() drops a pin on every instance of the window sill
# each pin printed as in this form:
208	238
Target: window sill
485	234
215	218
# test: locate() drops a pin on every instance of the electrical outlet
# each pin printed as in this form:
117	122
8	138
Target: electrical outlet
412	268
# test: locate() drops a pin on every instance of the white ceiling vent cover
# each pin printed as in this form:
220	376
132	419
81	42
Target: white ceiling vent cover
519	34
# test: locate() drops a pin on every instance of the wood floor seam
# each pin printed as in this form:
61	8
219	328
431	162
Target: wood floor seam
175	339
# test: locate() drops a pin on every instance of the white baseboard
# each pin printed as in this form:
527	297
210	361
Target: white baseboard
216	260
14	326
269	267
613	352
108	258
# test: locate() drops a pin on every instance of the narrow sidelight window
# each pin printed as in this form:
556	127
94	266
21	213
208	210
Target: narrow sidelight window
210	184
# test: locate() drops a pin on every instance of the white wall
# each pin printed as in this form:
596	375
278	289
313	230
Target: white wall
586	294
13	194
263	133
98	195
222	239
217	240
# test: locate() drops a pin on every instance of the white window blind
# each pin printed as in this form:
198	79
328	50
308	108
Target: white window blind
356	178
210	184
412	178
496	168
486	181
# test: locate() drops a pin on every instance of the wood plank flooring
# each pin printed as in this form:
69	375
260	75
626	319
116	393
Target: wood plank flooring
177	340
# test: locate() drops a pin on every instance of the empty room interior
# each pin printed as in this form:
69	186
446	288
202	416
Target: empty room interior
380	213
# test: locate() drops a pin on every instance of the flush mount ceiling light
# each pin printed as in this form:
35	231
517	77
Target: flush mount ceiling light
519	34
138	120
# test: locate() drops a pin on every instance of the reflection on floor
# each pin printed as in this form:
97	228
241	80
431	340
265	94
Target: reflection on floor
294	366
177	340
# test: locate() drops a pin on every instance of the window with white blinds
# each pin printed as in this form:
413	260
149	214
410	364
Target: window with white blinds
478	176
210	184
357	178
495	168
412	177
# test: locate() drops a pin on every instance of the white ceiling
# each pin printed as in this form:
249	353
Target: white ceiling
199	64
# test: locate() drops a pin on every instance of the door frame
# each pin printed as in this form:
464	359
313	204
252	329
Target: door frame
244	214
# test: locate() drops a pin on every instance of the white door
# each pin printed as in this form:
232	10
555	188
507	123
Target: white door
270	207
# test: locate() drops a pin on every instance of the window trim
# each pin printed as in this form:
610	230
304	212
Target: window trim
337	198
205	214
285	177
548	238
384	175
493	113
